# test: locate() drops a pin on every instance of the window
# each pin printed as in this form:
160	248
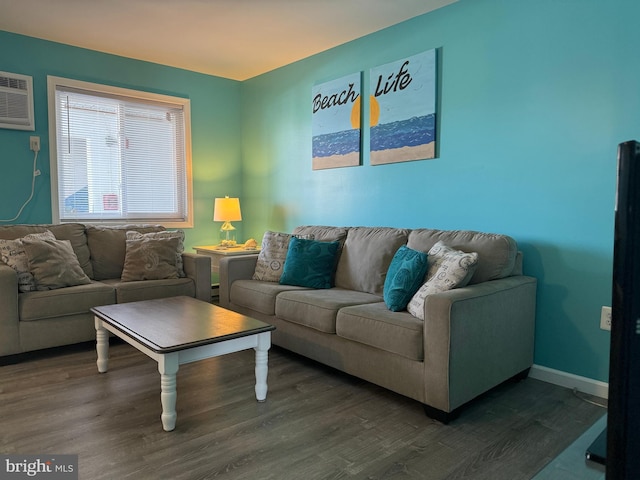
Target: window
118	155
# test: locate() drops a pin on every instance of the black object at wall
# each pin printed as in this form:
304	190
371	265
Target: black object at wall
622	457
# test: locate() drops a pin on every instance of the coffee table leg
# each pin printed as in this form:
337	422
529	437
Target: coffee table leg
168	367
102	346
262	368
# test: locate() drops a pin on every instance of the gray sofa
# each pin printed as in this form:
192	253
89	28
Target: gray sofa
472	339
34	320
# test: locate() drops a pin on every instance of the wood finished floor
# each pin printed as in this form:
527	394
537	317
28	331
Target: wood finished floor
316	423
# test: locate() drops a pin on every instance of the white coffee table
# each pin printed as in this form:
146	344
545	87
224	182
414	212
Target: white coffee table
178	330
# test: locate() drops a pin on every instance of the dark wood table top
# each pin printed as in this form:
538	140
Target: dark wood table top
176	323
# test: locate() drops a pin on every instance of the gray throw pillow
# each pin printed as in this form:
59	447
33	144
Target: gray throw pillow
53	264
12	253
179	234
149	258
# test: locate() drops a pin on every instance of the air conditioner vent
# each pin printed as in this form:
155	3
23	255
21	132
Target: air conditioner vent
16	101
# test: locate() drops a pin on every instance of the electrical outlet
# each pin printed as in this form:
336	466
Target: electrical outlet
605	318
34	143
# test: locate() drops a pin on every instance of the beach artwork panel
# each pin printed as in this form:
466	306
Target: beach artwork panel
403	110
335	123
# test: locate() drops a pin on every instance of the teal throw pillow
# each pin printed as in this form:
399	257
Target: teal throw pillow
310	263
405	276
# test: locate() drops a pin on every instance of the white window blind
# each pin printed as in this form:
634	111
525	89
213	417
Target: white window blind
120	155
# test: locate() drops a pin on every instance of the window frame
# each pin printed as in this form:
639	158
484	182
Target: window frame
53	83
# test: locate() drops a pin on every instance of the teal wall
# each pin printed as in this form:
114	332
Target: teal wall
215	125
534	98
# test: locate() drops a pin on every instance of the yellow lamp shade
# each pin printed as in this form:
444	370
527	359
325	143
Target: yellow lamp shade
226	210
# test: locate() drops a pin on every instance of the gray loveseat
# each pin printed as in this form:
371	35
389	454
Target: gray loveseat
471	339
34	320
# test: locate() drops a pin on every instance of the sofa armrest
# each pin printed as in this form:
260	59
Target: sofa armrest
198	268
476	337
232	269
9	331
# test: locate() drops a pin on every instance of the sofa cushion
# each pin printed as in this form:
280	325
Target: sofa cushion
53	264
310	263
63	302
257	295
448	269
317	309
374	325
13	254
150	257
406	273
496	253
108	247
366	257
74	232
150	289
321	233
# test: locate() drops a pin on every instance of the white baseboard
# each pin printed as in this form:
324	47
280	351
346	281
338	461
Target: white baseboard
569	380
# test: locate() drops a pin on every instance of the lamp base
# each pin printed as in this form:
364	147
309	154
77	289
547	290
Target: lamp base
227	235
227	244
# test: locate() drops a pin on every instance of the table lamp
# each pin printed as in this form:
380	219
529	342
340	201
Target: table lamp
227	210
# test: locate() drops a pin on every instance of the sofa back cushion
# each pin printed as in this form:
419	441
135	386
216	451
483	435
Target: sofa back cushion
108	247
366	256
321	233
74	232
496	253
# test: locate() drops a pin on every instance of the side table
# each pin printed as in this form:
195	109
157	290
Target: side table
216	253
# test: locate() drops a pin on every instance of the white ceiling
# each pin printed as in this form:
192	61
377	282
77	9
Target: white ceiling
235	39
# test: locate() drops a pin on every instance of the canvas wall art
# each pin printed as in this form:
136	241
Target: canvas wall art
403	110
336	123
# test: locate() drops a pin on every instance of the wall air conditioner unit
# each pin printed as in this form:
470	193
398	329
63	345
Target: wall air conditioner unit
16	101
